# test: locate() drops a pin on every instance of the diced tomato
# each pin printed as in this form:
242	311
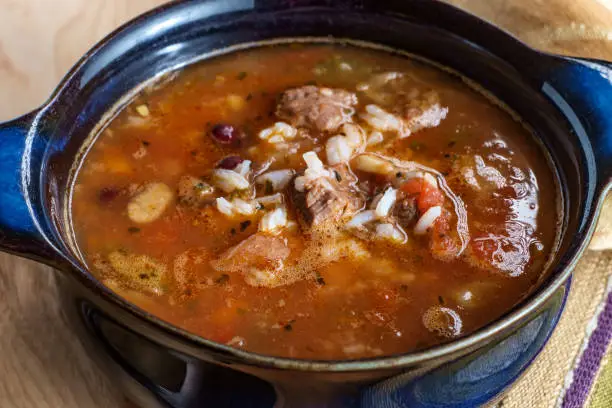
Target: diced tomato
442	223
442	245
430	197
413	186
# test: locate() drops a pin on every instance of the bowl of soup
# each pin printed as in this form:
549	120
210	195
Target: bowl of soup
280	204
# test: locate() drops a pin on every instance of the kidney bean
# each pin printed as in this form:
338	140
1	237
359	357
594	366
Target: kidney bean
230	162
225	134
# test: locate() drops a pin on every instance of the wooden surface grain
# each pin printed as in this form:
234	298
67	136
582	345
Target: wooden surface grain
42	365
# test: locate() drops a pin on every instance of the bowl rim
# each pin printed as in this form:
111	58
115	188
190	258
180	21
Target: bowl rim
154	324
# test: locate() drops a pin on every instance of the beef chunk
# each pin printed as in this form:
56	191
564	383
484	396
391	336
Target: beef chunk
328	199
321	109
421	111
259	258
406	211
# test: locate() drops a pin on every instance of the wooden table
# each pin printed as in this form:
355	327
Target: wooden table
42	365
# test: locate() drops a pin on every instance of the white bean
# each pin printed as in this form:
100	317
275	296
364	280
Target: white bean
149	204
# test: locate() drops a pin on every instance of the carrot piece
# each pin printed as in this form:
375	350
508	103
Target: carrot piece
430	197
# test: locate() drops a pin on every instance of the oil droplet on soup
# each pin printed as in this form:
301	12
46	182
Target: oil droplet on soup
317	201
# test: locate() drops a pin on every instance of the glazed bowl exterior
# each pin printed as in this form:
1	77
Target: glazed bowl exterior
564	100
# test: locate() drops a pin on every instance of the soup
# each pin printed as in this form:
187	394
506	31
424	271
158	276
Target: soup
317	202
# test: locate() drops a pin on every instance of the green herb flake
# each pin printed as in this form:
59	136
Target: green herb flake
241	75
289	326
146	143
338	176
249	97
133	230
244	225
441	299
233	231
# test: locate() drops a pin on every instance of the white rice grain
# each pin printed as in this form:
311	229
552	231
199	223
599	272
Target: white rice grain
243	168
361	218
427	220
338	150
225	207
243	207
279	133
375	138
278	179
273	199
273	221
386	202
390	232
382	120
229	180
371	163
312	161
314	171
355	136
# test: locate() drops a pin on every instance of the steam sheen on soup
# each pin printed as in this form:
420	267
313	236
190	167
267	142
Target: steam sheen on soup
317	201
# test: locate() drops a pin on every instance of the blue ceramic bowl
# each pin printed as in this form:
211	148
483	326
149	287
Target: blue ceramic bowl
566	101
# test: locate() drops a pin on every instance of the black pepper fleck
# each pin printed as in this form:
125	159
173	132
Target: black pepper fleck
222	279
320	280
289	325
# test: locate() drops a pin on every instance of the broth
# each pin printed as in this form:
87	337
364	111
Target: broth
317	202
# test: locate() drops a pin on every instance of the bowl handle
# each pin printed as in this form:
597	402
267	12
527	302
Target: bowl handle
19	230
582	89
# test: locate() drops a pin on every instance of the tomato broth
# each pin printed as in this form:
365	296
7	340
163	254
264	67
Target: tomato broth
317	202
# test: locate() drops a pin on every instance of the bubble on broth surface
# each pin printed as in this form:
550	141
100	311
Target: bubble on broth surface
443	320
